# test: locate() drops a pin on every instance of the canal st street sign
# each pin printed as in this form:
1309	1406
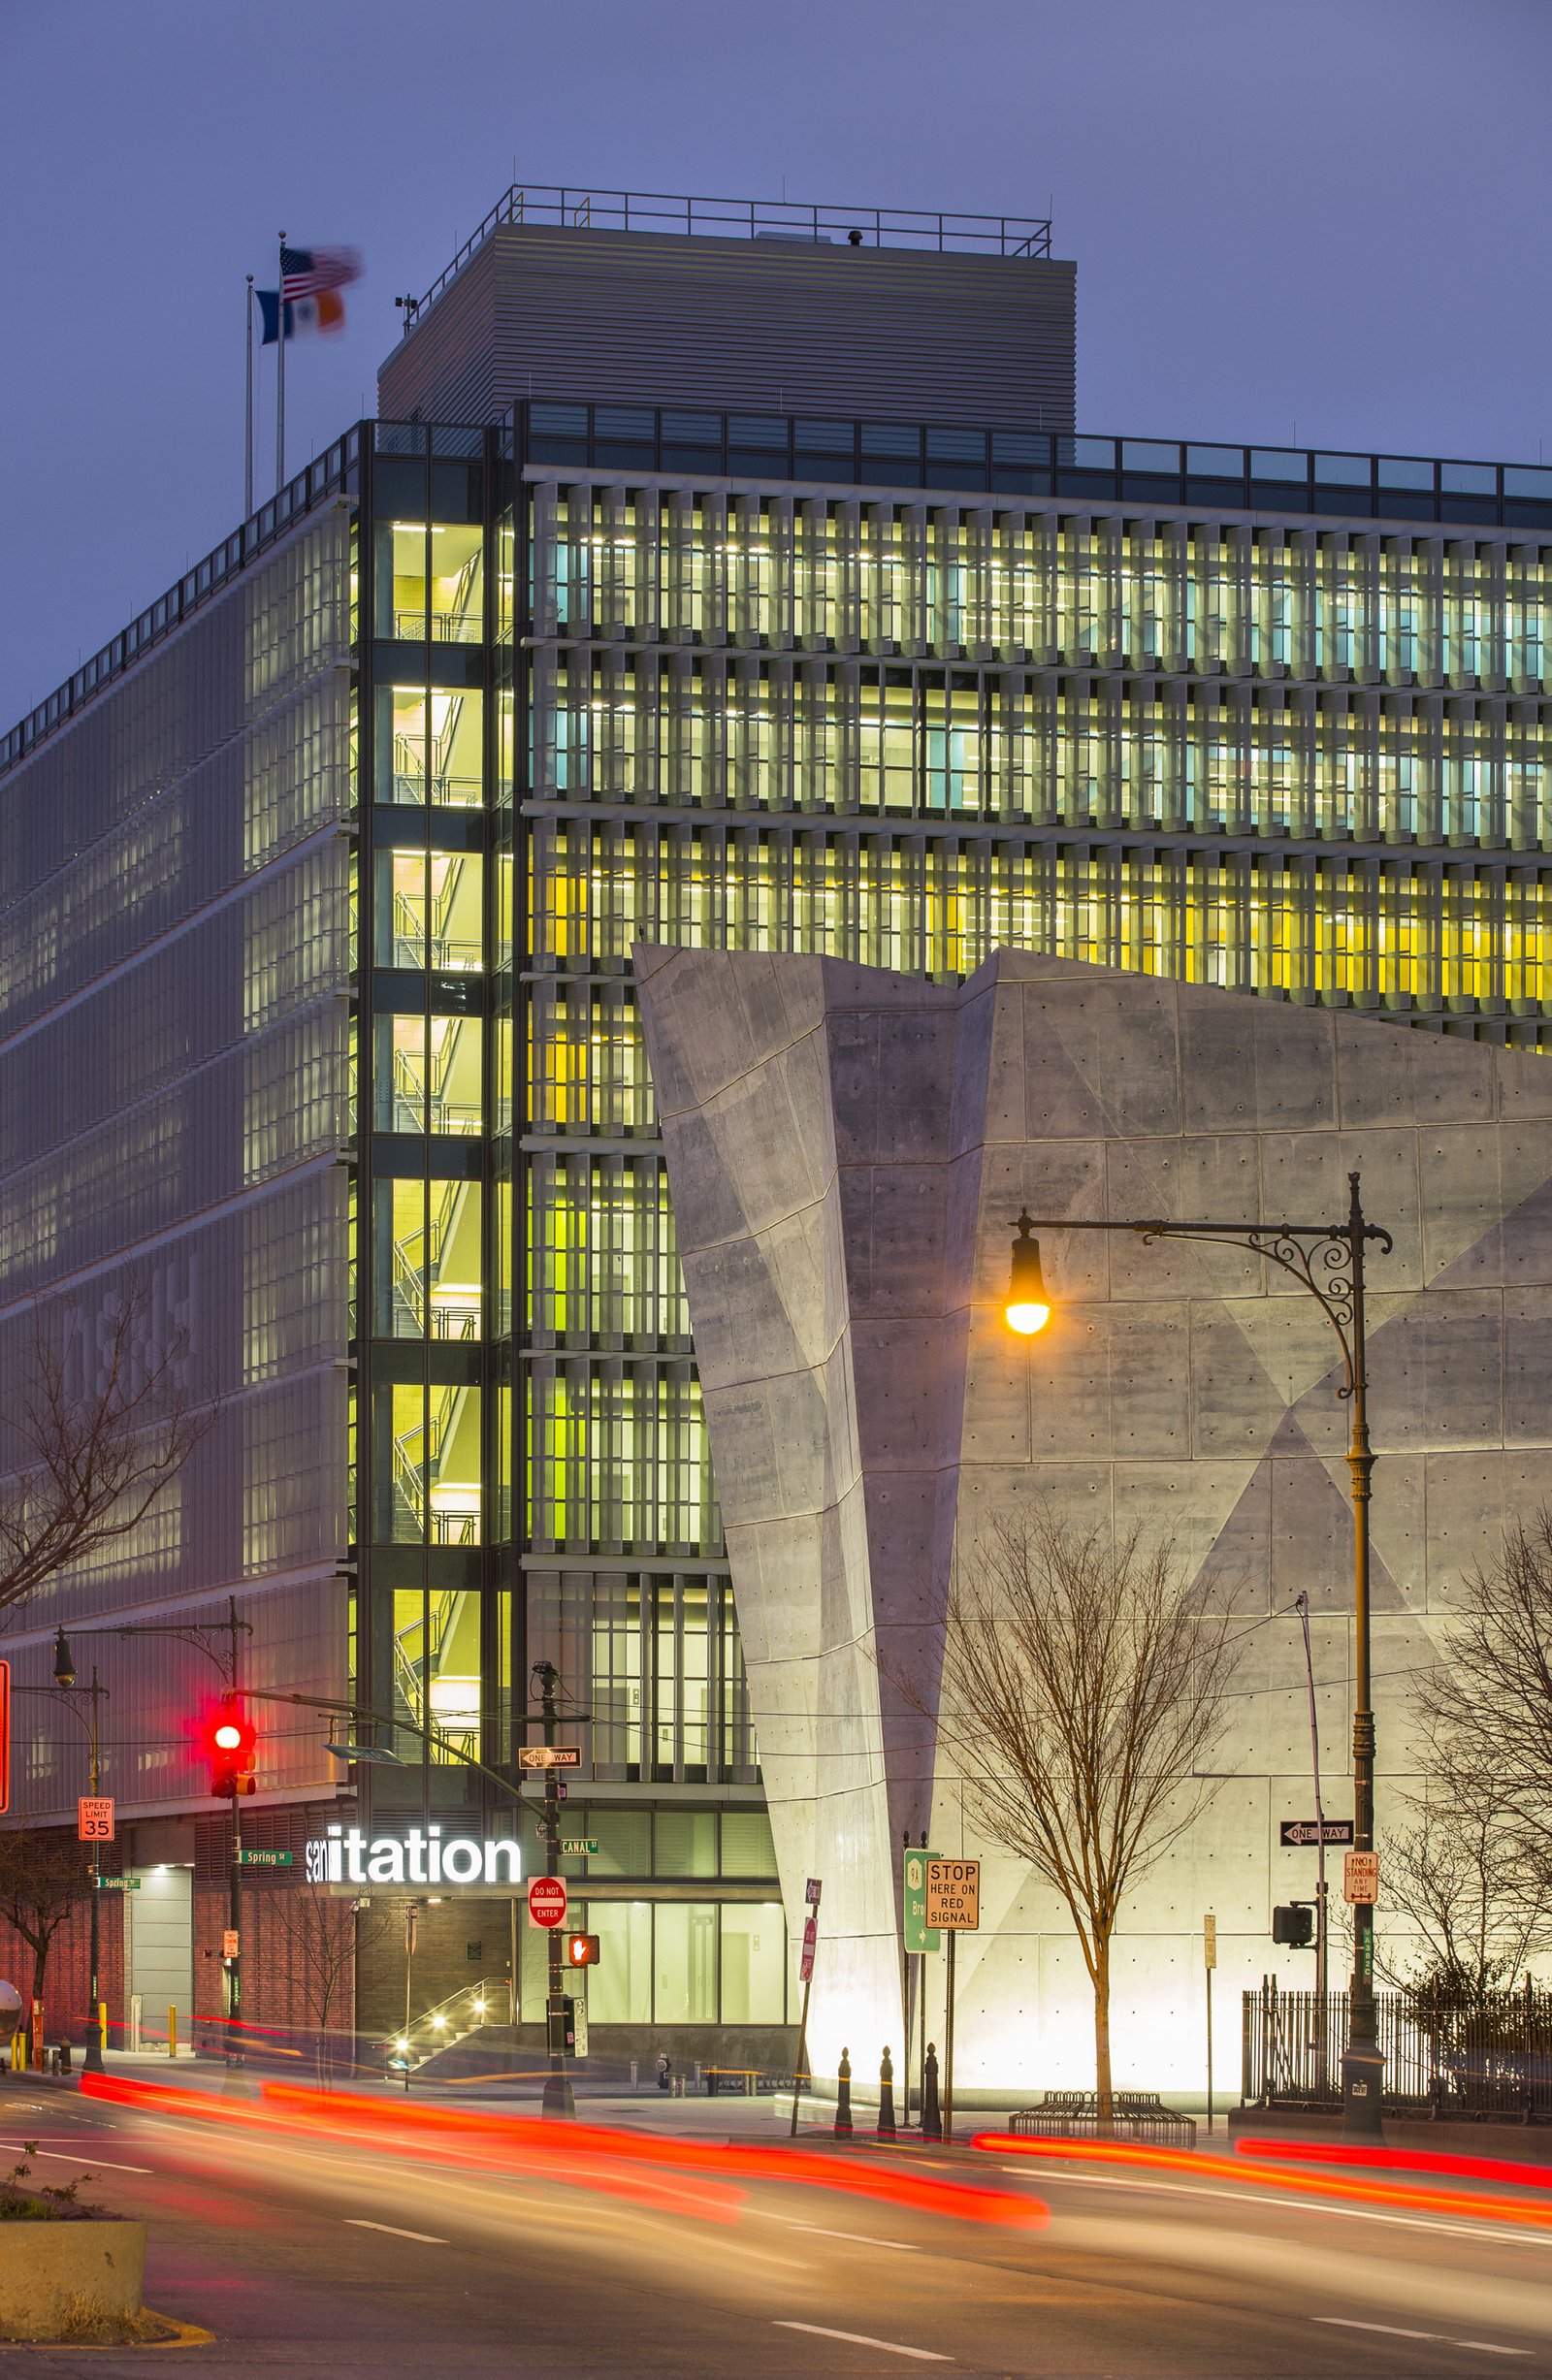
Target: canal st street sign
421	1855
546	1901
1293	1833
578	1846
954	1895
913	1901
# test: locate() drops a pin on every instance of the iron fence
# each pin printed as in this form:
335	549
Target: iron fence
1445	2058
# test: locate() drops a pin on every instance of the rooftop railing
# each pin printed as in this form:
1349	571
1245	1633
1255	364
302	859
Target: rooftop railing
1147	472
723	218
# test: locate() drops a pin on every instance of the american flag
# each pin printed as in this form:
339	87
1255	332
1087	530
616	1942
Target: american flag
307	272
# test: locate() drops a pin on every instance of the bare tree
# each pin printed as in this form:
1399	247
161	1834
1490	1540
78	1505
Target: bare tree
321	1934
1476	1910
1083	1684
104	1421
44	1879
1487	1706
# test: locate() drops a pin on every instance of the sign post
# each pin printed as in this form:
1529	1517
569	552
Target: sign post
805	1975
954	1907
1210	1959
918	1942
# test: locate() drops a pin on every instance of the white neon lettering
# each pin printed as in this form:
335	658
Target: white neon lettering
434	1856
514	1861
462	1860
333	1857
354	1840
417	1856
386	1864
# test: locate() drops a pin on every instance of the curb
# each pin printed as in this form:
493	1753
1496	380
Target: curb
184	2334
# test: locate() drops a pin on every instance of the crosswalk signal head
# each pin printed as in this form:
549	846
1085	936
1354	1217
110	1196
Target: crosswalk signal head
582	1949
1294	1927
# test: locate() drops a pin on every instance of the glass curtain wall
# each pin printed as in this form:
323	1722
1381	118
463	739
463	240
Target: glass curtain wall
1299	762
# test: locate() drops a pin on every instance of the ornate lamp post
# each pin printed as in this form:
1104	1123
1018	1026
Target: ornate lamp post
63	1687
1326	1258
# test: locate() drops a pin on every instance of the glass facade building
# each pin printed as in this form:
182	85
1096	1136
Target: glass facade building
406	768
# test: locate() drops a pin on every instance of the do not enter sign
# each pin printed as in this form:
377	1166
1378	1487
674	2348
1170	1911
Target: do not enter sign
954	1895
546	1901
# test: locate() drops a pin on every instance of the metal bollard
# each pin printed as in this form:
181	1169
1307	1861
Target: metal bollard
842	2096
931	2112
887	2127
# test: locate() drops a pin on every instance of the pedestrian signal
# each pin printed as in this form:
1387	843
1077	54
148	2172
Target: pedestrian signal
582	1949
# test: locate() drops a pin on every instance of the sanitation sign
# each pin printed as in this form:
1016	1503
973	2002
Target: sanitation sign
954	1895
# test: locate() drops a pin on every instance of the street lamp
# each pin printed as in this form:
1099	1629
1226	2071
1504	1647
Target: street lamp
64	1686
1028	1306
1326	1258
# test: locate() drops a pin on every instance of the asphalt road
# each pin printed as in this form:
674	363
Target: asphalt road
351	2259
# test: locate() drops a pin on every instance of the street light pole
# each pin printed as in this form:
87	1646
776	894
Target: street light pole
64	1686
1326	1258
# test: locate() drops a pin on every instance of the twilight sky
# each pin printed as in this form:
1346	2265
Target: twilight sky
1325	222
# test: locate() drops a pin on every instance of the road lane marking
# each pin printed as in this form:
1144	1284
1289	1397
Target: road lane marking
358	2223
859	2339
862	2239
77	2159
1532	2238
1443	2338
1341	2321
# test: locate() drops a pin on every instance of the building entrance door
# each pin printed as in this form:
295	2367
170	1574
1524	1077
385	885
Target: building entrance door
159	1951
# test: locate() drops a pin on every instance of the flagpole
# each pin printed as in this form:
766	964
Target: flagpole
280	380
247	440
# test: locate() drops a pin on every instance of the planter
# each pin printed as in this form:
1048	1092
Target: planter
66	2278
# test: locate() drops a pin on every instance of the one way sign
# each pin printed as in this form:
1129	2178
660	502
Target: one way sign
1294	1832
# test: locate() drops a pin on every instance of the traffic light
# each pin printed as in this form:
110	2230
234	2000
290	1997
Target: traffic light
231	1747
1295	1927
581	1949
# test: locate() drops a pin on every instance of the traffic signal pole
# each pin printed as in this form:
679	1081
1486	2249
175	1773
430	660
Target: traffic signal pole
234	1969
558	2097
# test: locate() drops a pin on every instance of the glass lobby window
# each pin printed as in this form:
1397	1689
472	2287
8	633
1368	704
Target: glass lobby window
428	1463
430	746
619	1987
753	1964
437	1674
430	911
425	1074
683	1963
428	1259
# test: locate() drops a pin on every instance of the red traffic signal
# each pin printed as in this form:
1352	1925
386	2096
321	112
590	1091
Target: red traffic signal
231	1746
581	1949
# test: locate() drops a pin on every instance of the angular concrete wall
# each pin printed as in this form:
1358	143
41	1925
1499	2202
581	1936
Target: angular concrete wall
846	1151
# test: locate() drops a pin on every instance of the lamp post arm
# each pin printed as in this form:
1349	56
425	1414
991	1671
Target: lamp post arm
1323	1258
